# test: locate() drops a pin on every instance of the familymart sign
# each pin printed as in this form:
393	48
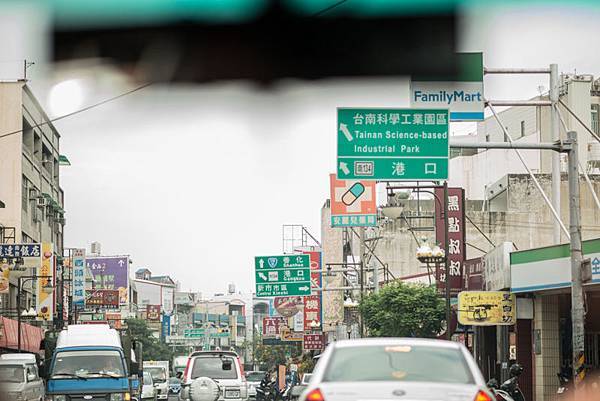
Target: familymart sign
549	267
461	94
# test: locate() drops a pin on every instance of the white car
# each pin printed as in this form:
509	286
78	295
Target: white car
148	390
223	367
396	369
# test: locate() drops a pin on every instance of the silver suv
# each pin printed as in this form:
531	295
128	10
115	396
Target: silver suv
224	367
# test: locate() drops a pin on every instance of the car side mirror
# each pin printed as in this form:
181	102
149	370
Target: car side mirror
31	377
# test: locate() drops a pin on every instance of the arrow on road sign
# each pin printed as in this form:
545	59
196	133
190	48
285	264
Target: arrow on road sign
344	168
347	134
305	288
261	263
261	275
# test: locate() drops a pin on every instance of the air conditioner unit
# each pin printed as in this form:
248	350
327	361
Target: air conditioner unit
42	202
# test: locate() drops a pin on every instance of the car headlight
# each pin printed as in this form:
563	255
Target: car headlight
58	397
120	397
15	395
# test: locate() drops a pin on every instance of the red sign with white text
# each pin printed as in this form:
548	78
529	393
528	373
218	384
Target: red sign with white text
272	326
312	303
456	238
314	342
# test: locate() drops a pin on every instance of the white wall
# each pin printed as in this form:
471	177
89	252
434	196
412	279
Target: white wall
474	173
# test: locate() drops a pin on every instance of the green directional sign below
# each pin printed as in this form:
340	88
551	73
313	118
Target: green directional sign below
285	275
393	144
193	333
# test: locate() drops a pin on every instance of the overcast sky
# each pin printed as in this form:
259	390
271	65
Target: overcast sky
193	181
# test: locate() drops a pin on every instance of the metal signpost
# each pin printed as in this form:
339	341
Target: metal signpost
283	275
392	144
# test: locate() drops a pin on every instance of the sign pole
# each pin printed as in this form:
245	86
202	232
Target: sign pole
446	260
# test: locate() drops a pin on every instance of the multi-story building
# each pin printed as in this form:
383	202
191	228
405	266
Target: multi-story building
30	163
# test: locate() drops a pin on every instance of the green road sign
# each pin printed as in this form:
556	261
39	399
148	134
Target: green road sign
193	333
283	275
393	144
219	335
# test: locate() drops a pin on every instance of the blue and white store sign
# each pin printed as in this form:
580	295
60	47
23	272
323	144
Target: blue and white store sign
461	95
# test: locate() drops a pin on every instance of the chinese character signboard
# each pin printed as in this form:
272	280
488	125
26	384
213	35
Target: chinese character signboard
486	308
474	274
352	203
314	342
45	300
313	303
456	238
462	94
272	326
496	264
111	273
165	327
283	275
79	278
30	258
106	299
392	144
289	335
153	312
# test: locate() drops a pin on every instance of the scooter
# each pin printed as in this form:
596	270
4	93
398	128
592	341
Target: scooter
511	386
500	395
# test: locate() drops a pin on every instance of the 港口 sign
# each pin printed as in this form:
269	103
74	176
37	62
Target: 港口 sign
456	237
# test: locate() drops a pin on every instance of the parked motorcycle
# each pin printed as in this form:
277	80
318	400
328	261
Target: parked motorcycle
500	395
511	386
564	385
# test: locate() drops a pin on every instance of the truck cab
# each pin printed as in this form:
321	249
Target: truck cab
89	363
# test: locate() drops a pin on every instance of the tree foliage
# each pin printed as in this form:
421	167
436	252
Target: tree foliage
403	310
153	349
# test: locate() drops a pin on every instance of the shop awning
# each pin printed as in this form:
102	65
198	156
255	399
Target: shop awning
31	336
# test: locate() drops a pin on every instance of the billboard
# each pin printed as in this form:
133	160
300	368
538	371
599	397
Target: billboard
352	203
153	312
79	278
486	308
111	273
44	300
272	326
106	299
30	255
314	342
288	306
456	238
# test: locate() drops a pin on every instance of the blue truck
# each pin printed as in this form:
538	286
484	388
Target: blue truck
92	362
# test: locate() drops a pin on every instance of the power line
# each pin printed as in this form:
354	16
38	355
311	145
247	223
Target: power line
80	110
331	7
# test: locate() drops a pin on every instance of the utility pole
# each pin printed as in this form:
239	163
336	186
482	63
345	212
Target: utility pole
577	310
362	275
555	136
446	260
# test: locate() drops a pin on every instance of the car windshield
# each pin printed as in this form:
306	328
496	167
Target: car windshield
255	376
147	379
88	363
174	380
306	378
214	368
12	374
159	375
398	363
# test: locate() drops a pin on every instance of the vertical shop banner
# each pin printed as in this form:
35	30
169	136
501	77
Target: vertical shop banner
456	238
165	327
313	303
111	273
79	278
45	300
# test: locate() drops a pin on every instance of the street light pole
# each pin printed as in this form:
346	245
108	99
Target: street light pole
447	253
20	282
